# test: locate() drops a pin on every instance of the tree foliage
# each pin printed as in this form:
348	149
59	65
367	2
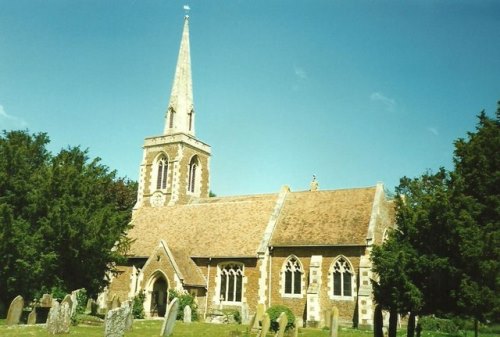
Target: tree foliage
63	217
444	256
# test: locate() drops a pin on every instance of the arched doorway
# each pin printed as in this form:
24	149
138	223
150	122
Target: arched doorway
158	303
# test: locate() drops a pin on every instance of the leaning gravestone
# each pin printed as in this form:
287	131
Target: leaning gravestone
282	323
266	324
334	330
59	318
69	300
115	322
187	314
32	317
15	311
170	317
46	301
129	319
244	313
261	309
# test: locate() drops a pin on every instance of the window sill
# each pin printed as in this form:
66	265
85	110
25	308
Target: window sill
292	296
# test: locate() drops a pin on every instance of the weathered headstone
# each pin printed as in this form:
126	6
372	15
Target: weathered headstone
32	317
129	320
334	326
252	322
261	310
170	317
59	318
327	318
266	324
115	322
15	311
46	301
187	314
74	301
69	300
88	307
244	313
282	323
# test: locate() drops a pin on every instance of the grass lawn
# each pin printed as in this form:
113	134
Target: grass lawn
151	328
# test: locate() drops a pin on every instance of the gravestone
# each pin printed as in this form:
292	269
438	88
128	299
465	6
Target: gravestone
327	318
261	310
15	311
46	301
68	299
334	330
187	314
244	313
252	322
170	317
74	301
88	307
129	320
32	317
282	323
59	318
266	324
116	321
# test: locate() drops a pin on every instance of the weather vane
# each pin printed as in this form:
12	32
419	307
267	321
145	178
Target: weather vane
186	10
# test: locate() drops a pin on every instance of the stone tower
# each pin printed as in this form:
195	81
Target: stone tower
175	165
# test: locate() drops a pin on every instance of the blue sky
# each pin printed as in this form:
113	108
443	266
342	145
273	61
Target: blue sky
355	92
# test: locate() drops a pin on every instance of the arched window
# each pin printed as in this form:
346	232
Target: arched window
292	277
342	277
192	177
231	282
161	173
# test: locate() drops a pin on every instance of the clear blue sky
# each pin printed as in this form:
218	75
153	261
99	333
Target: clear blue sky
355	92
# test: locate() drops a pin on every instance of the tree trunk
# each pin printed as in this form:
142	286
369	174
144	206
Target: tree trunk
476	327
393	322
410	332
378	322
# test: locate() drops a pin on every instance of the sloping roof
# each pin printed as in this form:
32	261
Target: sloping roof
211	227
318	218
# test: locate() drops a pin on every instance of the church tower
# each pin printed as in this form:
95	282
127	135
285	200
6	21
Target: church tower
175	165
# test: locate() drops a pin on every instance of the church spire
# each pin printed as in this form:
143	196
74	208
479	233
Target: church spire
179	117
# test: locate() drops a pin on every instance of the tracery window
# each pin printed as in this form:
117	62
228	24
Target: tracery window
231	282
161	173
193	167
342	278
292	277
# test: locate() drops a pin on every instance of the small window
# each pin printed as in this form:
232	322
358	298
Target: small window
342	278
292	275
171	112
162	172
193	174
231	282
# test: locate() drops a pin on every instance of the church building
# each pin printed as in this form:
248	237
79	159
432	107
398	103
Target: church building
307	250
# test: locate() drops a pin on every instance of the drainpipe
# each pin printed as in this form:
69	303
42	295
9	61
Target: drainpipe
208	288
270	276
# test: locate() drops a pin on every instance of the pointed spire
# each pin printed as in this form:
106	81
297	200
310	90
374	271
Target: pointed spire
180	112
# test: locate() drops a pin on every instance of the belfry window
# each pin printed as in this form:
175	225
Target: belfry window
162	173
190	122
292	277
193	174
342	278
231	282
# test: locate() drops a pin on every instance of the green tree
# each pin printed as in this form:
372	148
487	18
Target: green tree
444	257
477	206
63	217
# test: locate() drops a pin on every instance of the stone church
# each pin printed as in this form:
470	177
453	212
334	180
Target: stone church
307	250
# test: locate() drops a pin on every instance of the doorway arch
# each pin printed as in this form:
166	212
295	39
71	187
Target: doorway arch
157	290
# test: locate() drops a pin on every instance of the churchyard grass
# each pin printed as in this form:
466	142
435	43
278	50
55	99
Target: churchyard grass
151	328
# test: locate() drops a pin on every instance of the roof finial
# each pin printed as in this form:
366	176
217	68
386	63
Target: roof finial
186	10
314	184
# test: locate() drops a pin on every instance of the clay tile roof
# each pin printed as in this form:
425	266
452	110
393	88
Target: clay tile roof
189	270
339	217
211	227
